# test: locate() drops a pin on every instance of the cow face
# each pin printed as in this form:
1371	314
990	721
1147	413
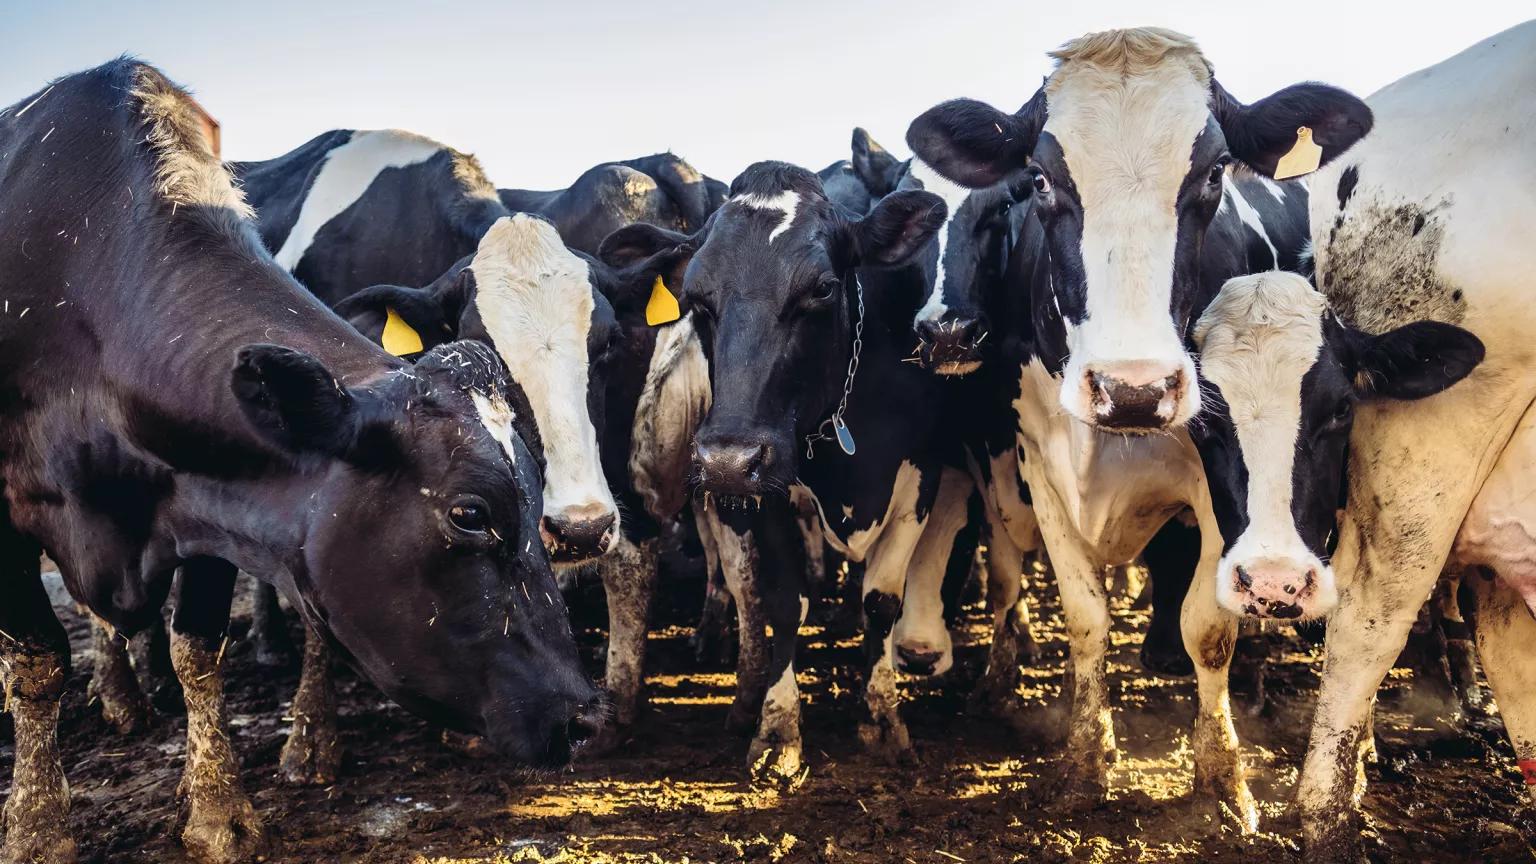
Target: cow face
1282	376
773	295
421	552
1126	144
535	301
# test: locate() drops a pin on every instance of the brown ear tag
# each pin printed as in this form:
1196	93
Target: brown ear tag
400	338
662	308
1303	158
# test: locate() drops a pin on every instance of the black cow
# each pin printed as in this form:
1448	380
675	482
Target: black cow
804	311
150	425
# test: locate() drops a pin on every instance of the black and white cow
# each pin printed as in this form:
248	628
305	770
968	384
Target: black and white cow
804	311
659	190
1428	218
1127	147
151	426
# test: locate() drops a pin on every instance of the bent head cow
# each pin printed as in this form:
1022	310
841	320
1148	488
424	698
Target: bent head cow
1282	376
1126	146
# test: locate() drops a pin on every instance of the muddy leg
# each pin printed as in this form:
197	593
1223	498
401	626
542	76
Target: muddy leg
151	653
1210	633
629	577
740	563
113	683
1461	654
1249	660
312	754
220	825
997	691
269	629
712	638
774	757
1171	558
1432	698
34	663
1505	632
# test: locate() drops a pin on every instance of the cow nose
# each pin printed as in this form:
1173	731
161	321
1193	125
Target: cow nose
951	344
919	660
1276	587
1135	396
570	537
586	723
731	468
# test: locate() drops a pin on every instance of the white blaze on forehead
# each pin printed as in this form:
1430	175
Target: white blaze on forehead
786	203
954	196
345	175
534	297
1126	108
1257	340
496	416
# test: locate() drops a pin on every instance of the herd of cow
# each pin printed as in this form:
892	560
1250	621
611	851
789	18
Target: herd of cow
403	399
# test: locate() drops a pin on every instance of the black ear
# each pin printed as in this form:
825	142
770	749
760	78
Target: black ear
876	168
294	401
368	309
1415	360
637	242
898	228
1261	133
973	143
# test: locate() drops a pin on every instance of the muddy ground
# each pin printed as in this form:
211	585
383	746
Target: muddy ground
676	790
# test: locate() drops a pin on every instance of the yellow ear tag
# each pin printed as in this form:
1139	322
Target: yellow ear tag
662	307
399	337
1303	158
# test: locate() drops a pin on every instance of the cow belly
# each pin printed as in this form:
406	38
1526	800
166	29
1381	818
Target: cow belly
1499	531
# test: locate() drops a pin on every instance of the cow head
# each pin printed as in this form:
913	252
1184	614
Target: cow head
420	547
771	285
1282	376
536	302
1126	145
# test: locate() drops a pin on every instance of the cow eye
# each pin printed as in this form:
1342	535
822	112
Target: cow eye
1041	183
1218	171
824	289
470	516
1342	412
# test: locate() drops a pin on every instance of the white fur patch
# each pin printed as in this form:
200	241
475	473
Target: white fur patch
535	299
1247	214
347	173
672	406
496	416
785	202
954	196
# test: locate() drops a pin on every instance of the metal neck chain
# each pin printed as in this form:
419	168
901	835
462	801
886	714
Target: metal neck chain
836	420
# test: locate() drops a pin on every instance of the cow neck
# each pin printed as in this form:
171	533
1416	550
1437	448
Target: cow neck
836	422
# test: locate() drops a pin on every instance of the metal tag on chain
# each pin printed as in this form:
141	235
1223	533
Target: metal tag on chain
844	437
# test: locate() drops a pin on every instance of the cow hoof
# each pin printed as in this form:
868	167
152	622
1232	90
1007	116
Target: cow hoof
311	759
888	740
777	765
221	829
127	712
47	842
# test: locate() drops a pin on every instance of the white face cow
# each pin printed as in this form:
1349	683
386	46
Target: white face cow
1281	375
1127	144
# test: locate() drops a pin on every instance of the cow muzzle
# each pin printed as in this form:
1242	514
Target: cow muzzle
951	345
1136	396
573	535
734	468
1281	587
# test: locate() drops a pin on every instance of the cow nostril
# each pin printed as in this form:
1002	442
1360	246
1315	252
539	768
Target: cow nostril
756	458
1311	576
1244	578
581	728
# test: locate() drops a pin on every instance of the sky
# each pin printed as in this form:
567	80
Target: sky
541	91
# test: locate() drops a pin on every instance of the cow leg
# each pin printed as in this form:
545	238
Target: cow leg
113	683
1432	698
1505	633
34	663
882	731
923	643
1210	633
711	639
743	578
220	825
269	629
997	691
775	755
1250	659
1171	558
312	754
629	579
151	653
1460	653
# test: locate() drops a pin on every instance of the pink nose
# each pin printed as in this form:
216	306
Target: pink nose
1275	587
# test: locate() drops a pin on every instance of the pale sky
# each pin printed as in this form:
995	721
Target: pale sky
540	91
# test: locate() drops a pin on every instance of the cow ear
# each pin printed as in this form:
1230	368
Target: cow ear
898	228
973	143
294	401
419	309
637	242
1261	133
1415	360
876	168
